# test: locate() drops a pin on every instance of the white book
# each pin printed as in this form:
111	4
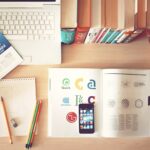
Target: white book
96	20
69	13
121	99
9	57
93	32
126	14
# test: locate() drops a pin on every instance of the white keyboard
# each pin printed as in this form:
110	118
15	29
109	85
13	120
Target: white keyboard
17	24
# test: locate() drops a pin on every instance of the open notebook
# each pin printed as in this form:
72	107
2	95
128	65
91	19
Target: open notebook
20	99
122	101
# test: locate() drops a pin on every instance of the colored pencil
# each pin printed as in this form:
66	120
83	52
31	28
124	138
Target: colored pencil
36	122
32	126
6	120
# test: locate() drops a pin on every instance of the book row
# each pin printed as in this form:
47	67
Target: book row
99	35
85	19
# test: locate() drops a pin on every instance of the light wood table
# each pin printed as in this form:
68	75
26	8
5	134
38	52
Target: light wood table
135	55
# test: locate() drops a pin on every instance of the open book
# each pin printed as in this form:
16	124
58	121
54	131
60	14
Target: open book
121	101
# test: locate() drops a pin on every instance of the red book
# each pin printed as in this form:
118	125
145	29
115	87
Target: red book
81	34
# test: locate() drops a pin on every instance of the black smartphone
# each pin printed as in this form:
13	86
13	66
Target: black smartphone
86	118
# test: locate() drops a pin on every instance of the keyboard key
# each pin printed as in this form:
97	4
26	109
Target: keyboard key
36	37
11	22
2	27
29	17
30	37
22	27
16	22
3	17
20	32
18	17
21	22
24	18
7	27
5	32
10	32
8	17
12	27
15	32
16	37
30	32
1	22
14	17
5	22
17	27
25	32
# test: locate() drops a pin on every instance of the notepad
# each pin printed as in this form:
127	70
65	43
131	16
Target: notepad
20	98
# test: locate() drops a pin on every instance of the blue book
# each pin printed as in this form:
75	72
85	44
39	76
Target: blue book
107	35
9	57
113	36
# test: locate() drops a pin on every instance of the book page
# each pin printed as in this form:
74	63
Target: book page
67	89
125	103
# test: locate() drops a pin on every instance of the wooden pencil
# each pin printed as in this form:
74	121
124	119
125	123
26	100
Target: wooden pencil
6	120
32	126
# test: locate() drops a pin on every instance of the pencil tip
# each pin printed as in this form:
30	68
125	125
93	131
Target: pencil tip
1	98
27	146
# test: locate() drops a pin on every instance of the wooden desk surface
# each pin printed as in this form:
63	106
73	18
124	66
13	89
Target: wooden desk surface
97	56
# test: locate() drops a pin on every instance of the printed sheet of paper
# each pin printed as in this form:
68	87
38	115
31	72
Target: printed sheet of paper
125	103
67	89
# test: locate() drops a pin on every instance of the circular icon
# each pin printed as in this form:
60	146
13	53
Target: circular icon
125	103
66	82
71	117
138	103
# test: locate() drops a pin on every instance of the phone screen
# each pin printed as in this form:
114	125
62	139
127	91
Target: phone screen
86	118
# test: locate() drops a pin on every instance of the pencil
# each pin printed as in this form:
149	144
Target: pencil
36	122
32	125
6	120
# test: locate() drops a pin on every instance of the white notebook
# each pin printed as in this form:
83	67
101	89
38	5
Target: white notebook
121	96
20	99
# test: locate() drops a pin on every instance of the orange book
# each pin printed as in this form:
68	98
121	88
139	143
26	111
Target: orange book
84	13
81	34
84	20
148	14
141	15
148	19
111	13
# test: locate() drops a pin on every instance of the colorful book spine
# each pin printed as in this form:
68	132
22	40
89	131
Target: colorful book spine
134	35
107	35
113	36
80	35
117	38
101	34
92	34
124	36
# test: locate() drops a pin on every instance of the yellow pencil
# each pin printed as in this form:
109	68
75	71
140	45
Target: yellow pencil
6	119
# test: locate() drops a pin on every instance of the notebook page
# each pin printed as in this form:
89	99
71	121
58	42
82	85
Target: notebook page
125	102
67	89
20	100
